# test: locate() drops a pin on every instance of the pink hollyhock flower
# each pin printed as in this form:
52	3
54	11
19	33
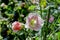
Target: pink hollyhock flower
34	21
51	19
16	26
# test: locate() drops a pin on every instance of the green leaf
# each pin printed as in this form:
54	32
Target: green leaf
32	7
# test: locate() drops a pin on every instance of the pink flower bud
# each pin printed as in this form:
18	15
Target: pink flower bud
16	26
51	19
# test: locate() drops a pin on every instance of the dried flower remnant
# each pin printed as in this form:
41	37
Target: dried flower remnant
3	5
35	1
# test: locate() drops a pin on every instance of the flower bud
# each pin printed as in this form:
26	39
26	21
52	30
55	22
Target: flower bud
16	26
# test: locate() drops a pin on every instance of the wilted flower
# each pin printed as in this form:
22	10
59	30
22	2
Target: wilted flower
2	5
23	4
35	1
16	26
34	21
51	19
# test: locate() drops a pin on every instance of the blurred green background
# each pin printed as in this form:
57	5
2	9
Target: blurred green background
17	10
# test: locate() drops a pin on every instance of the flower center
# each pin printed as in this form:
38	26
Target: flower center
33	22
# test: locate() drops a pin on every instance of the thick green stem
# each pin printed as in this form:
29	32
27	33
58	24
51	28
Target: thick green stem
46	26
41	10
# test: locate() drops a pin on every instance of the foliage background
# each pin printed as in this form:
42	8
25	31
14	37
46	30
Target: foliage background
17	10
